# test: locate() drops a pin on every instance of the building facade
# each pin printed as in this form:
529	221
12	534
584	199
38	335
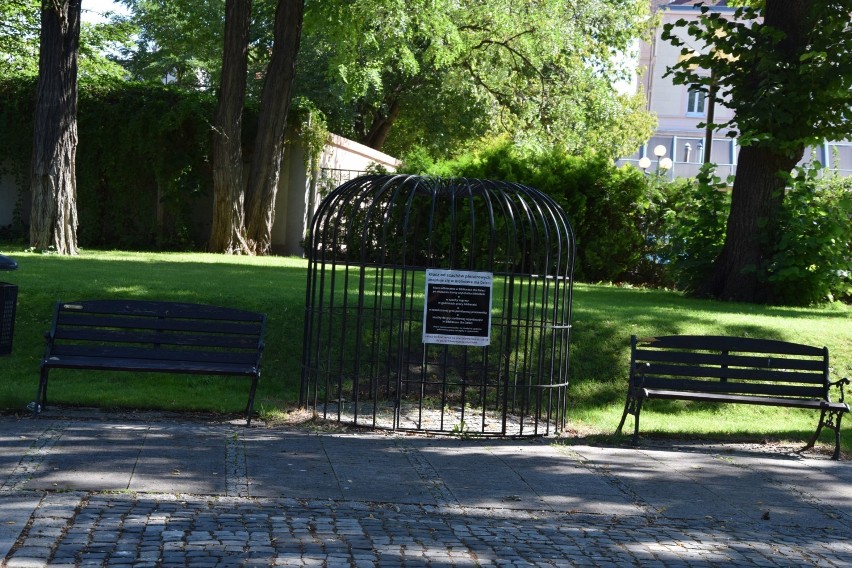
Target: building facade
680	110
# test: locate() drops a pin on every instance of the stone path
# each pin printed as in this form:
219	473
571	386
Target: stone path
154	492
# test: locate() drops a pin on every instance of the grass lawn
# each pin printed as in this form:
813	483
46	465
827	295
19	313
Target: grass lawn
604	317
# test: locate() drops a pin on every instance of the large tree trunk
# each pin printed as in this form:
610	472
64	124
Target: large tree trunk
752	233
274	106
228	231
53	218
758	191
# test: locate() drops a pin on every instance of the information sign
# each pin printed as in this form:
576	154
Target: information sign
457	310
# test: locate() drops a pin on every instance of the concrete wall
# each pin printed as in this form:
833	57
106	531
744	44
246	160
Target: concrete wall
299	194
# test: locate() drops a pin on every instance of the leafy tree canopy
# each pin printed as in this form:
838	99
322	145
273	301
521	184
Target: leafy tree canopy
19	42
182	41
440	72
786	92
543	70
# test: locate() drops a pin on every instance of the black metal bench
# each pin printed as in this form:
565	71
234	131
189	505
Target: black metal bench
733	370
145	336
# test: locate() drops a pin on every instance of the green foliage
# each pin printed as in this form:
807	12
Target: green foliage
142	160
649	231
19	37
142	165
691	236
604	204
19	43
809	265
813	260
542	71
98	45
786	92
183	40
179	39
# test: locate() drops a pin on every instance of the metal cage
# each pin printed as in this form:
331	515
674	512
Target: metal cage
373	244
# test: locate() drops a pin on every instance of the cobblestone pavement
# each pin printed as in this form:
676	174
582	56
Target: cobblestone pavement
419	502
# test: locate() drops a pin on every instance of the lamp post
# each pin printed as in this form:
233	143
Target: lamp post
664	164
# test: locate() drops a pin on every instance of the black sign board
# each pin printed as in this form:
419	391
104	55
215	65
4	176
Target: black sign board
457	310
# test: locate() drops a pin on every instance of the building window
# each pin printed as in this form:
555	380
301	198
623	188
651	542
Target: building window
696	102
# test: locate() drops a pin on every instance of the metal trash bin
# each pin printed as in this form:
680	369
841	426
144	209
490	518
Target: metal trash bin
8	302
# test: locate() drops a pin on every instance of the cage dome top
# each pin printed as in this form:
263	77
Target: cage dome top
422	221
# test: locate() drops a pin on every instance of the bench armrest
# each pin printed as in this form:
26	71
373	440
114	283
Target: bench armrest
840	383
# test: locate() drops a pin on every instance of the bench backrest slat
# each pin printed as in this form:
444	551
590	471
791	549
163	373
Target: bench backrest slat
164	330
722	364
159	323
731	360
728	343
190	340
799	391
159	309
113	352
744	374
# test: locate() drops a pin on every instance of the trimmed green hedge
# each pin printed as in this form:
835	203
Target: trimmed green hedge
143	164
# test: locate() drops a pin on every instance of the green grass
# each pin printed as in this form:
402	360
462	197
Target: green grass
604	317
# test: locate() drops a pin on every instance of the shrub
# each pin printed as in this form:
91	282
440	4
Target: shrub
604	203
695	214
813	258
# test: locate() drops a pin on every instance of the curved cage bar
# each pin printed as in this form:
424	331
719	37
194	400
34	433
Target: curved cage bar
373	243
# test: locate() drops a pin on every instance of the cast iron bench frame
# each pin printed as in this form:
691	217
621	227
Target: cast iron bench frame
733	370
152	336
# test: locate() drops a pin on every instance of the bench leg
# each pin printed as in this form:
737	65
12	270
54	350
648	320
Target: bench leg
633	406
836	426
41	395
636	422
250	405
831	420
814	438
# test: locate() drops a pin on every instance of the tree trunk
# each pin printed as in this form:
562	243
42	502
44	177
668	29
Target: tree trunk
274	106
228	231
758	191
751	235
381	127
53	218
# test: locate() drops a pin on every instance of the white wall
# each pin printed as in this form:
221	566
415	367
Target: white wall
299	194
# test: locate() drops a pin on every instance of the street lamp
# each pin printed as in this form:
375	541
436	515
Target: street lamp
644	162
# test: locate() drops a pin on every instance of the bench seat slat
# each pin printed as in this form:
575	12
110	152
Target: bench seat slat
155	338
715	386
732	373
815	404
149	365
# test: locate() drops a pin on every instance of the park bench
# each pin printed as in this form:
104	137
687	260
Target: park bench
148	336
733	370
